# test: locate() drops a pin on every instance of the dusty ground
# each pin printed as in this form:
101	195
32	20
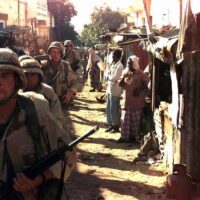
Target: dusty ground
105	169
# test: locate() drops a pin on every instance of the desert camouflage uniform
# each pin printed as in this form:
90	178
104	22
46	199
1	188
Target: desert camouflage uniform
20	146
17	149
30	65
54	102
60	77
72	57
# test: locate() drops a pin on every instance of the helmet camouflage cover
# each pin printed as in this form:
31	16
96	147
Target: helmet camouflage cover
32	66
68	42
10	61
57	45
24	57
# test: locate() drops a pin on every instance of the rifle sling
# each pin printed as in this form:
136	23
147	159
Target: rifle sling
32	123
54	78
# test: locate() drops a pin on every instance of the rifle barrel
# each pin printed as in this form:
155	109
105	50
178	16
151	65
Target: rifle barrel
54	156
79	139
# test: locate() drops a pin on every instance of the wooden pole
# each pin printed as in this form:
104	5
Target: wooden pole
146	7
153	86
18	12
26	13
181	10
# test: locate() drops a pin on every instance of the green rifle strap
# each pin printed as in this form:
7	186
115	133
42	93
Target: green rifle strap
32	123
65	67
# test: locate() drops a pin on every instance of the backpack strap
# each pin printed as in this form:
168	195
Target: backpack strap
32	123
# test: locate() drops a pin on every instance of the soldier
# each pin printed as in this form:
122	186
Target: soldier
59	75
71	55
28	132
34	78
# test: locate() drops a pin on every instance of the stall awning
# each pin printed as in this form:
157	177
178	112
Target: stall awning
163	47
129	42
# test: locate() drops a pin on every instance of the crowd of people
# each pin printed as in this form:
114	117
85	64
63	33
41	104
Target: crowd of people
33	93
125	97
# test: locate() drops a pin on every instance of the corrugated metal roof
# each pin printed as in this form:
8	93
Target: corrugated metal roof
163	47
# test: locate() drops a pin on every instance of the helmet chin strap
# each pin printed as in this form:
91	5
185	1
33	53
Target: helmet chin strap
6	100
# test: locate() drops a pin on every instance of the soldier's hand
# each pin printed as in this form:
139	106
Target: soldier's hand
24	184
71	158
68	97
71	163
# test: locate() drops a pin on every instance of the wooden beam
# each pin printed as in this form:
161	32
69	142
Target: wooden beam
146	7
153	85
181	9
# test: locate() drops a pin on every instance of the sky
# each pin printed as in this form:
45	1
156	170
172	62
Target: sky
85	8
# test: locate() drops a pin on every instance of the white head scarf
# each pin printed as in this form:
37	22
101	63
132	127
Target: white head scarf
135	60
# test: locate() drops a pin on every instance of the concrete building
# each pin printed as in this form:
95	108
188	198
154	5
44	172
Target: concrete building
24	13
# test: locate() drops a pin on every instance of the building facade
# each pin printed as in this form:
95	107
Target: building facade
24	13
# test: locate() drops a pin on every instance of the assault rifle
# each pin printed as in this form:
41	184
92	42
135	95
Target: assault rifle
43	164
40	58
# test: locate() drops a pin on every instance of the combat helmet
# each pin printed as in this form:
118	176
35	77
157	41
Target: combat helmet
24	57
68	42
32	66
9	61
57	45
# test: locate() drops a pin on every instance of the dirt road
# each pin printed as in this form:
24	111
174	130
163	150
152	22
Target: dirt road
105	169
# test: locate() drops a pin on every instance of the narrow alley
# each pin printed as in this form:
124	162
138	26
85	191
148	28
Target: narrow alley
105	169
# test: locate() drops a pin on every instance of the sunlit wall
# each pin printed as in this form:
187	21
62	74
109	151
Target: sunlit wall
25	12
165	13
16	14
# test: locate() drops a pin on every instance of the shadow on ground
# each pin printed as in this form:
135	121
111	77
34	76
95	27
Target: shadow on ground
87	186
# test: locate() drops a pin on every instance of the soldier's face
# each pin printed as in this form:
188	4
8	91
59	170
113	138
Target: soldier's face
68	47
7	83
32	80
55	54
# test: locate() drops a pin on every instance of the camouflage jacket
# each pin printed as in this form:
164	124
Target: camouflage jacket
60	77
73	58
19	143
54	103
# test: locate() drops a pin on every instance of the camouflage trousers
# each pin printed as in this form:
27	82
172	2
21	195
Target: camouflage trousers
95	78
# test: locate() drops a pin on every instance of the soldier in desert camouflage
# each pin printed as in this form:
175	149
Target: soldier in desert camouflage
35	78
19	147
59	75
